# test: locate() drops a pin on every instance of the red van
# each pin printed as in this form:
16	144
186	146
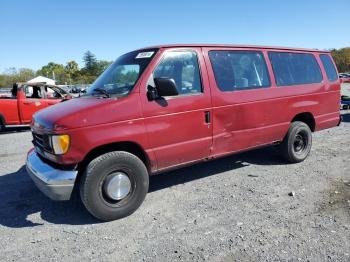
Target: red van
168	106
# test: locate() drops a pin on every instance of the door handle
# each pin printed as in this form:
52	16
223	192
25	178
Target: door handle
207	117
28	102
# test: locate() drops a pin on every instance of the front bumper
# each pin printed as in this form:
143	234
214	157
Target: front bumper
55	183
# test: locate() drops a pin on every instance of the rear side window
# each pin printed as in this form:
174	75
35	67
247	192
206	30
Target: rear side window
295	68
239	70
33	92
329	67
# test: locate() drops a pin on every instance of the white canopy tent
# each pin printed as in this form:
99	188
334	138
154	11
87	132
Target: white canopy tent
42	79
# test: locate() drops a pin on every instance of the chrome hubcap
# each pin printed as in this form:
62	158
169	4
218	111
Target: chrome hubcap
117	186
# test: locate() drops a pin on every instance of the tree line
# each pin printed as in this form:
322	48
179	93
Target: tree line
68	74
71	74
342	59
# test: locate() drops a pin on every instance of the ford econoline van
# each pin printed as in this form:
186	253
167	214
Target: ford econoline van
167	106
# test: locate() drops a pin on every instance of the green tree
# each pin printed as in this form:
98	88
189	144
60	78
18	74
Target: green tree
54	71
92	68
342	59
90	62
72	67
101	66
72	71
3	80
12	75
25	74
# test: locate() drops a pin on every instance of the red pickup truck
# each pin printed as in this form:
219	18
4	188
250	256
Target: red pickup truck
26	99
167	106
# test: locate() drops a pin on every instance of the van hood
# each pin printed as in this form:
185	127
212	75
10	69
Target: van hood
86	111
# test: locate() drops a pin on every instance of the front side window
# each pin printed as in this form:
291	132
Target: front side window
295	68
120	77
239	70
51	93
182	66
329	67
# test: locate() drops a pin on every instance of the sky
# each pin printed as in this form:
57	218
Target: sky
33	33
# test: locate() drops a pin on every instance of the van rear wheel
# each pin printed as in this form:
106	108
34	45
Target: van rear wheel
114	185
296	145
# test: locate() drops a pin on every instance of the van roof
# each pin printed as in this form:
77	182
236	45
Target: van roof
238	46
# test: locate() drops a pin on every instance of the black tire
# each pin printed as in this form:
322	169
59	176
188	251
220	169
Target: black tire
345	98
92	185
2	123
296	145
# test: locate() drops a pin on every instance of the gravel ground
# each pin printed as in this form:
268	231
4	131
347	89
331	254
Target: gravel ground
233	209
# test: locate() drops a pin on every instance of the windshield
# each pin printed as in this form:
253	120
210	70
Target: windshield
120	77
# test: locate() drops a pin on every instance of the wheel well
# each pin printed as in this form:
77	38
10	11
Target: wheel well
307	118
130	147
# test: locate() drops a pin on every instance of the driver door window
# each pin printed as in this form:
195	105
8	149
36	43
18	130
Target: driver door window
182	66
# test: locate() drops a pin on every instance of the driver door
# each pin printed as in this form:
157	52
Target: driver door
33	102
179	128
52	97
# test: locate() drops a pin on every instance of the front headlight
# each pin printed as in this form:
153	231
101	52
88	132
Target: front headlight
60	144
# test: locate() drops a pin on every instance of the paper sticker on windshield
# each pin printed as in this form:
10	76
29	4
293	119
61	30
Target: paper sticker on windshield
144	55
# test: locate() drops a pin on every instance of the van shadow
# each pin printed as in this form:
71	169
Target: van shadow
263	156
21	200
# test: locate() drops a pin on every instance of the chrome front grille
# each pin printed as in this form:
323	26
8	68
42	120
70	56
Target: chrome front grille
42	142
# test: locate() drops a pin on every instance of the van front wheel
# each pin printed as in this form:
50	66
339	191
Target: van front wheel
114	185
296	145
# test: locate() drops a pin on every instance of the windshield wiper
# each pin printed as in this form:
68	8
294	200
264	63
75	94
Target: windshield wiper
102	91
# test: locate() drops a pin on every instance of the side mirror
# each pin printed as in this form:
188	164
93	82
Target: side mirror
165	86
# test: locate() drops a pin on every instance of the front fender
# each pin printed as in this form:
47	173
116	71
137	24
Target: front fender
83	140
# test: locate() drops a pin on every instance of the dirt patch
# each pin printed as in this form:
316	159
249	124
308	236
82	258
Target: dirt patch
338	198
